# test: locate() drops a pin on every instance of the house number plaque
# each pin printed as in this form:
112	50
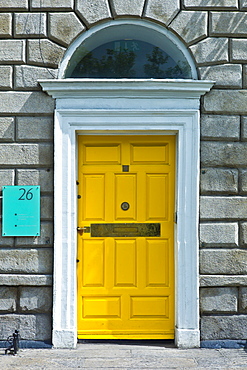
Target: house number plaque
21	211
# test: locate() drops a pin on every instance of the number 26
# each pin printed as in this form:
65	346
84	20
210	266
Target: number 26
26	194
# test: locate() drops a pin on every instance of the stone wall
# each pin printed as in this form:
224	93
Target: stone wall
34	35
26	158
223	254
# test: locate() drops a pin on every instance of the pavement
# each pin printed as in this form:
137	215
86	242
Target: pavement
124	356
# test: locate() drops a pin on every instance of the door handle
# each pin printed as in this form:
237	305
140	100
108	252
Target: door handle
85	229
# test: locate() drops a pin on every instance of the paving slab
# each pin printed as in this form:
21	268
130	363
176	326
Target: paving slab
124	356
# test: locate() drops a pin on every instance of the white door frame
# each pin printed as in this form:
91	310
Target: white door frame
126	107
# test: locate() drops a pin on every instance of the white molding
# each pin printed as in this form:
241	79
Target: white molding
80	110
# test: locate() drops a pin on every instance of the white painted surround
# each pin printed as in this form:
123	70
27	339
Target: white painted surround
109	107
126	106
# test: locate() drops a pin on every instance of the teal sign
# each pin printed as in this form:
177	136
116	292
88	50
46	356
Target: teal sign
21	211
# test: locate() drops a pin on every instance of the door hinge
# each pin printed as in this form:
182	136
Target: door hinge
175	217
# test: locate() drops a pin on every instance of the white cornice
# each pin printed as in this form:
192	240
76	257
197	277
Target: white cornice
126	88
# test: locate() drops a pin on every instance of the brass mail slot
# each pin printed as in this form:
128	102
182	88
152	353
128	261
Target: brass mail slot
125	230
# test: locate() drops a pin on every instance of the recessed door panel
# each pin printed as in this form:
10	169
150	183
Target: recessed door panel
125	263
146	154
125	190
93	260
94	196
101	307
157	196
101	154
149	307
126	237
157	262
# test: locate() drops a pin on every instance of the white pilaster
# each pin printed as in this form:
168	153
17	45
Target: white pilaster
127	107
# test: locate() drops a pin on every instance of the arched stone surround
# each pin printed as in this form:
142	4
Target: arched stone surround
87	13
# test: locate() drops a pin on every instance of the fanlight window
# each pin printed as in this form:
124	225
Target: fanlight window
129	50
130	58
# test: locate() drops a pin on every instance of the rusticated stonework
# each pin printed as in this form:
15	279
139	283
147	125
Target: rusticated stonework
34	37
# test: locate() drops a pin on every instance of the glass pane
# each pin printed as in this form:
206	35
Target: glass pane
130	58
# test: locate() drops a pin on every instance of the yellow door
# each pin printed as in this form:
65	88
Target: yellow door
125	237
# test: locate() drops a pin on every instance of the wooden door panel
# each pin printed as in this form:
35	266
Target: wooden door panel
125	263
101	307
157	196
157	272
94	196
125	190
147	154
102	154
149	307
93	261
